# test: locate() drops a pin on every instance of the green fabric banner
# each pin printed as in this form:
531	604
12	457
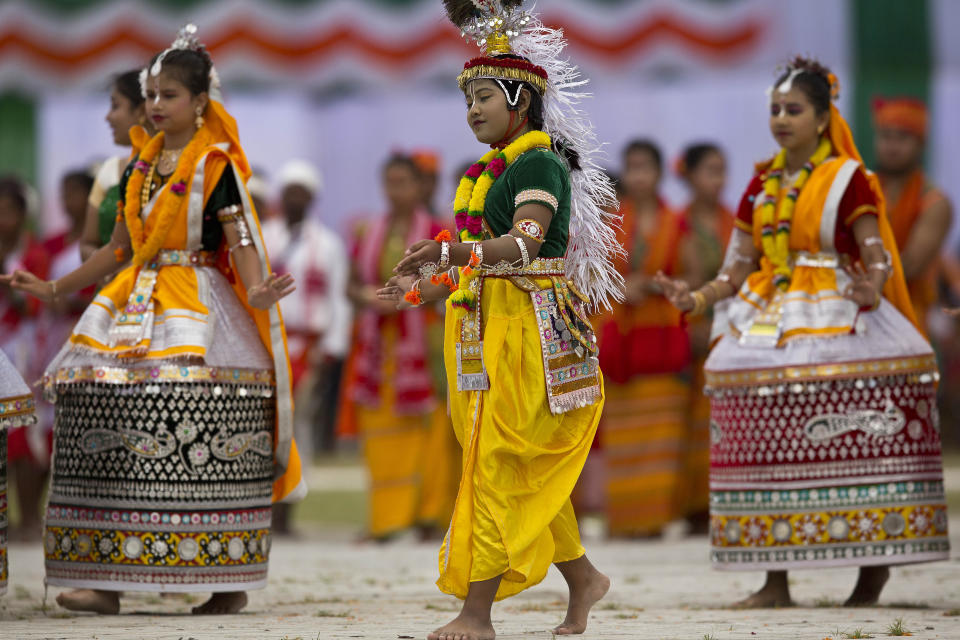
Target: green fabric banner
18	136
892	57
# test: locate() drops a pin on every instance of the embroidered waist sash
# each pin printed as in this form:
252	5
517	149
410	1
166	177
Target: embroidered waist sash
567	341
134	325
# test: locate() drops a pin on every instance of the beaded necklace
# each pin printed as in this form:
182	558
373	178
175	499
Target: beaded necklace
471	198
776	220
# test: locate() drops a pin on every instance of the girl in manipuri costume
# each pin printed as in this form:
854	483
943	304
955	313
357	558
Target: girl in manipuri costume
532	256
17	409
824	426
173	408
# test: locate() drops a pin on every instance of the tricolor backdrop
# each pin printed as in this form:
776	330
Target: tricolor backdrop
345	82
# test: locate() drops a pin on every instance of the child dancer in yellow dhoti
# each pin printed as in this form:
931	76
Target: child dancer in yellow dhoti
534	254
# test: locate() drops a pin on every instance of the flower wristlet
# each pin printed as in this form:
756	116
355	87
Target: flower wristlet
413	296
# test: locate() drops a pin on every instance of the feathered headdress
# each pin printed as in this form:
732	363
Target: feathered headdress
518	47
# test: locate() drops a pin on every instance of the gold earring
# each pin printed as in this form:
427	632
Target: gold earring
199	120
820	130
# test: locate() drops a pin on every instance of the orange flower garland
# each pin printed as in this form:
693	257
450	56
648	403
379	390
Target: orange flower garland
167	208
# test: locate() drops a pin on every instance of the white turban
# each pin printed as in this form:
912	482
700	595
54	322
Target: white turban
302	173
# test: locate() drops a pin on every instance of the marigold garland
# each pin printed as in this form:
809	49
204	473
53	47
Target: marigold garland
167	208
471	197
776	220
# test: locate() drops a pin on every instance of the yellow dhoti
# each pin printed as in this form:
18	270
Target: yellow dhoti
513	515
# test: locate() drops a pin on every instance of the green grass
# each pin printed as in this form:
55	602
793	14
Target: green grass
857	634
332	508
896	628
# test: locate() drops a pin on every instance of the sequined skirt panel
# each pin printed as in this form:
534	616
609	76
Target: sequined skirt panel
833	459
161	479
3	510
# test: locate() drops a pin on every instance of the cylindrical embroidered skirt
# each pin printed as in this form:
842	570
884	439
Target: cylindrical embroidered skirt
163	469
161	479
826	452
3	508
17	409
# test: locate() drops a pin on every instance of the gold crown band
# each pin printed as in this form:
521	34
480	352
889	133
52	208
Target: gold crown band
504	73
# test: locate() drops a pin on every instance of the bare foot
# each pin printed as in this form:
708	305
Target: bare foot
223	603
465	627
94	600
775	593
583	596
869	585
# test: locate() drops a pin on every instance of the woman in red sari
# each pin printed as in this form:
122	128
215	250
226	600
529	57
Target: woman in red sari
645	356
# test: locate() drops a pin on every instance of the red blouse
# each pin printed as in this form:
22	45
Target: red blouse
857	200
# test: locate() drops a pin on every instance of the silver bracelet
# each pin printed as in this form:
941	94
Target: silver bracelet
880	266
427	270
244	232
444	256
873	241
524	254
723	277
478	250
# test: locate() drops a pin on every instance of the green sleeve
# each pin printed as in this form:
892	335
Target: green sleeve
539	178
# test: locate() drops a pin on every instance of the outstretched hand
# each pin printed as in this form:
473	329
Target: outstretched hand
417	255
270	291
30	284
861	288
394	290
677	292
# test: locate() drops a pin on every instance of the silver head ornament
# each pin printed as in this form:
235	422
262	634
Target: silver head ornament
186	39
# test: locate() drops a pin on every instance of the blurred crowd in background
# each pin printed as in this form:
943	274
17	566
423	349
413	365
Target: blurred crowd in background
357	147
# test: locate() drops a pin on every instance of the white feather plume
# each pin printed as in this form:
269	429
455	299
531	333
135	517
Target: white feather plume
593	245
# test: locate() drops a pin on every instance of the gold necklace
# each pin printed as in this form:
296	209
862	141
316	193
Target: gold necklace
168	160
147	189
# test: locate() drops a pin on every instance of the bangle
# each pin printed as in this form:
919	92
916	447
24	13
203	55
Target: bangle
444	263
524	255
230	214
880	266
873	241
53	289
244	232
699	303
876	304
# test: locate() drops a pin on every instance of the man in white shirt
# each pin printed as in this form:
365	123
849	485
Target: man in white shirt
317	315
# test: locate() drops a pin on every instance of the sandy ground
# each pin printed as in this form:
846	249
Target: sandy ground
324	585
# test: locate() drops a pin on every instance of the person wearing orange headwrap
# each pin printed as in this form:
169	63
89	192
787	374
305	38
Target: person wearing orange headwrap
428	163
825	434
174	427
919	213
